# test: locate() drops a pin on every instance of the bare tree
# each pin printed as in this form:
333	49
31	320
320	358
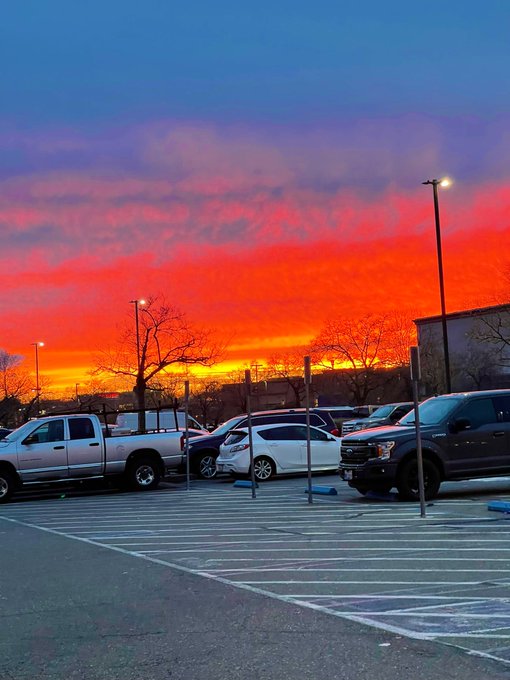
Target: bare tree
289	368
16	387
359	347
206	398
494	330
167	340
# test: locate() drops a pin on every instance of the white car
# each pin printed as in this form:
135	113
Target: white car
278	449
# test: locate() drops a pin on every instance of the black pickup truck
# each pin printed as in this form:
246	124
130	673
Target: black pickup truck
464	436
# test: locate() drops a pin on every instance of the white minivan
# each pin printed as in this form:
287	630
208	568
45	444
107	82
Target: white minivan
168	420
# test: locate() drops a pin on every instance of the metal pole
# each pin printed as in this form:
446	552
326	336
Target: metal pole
37	377
415	377
441	291
446	352
308	380
186	432
247	380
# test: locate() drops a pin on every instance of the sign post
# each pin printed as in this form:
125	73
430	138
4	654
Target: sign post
247	380
415	378
186	431
308	380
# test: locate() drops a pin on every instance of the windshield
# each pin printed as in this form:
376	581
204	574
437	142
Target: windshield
22	431
228	425
433	411
382	411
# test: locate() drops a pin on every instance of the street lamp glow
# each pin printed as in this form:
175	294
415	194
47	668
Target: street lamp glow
446	182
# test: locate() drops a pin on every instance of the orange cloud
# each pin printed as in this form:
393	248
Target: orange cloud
238	235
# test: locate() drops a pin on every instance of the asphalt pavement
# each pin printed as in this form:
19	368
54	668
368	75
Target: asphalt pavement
213	584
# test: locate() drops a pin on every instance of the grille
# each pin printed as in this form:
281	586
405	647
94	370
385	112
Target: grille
357	452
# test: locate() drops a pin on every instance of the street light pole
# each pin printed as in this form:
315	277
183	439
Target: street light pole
444	183
136	303
141	414
37	388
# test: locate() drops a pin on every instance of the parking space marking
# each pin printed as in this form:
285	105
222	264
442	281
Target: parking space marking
277	546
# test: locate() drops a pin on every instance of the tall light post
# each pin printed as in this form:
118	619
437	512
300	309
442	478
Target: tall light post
444	183
141	414
37	388
136	303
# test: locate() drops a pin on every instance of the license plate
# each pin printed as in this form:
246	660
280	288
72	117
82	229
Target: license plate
347	475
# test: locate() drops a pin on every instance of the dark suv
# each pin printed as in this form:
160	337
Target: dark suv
384	415
463	436
203	451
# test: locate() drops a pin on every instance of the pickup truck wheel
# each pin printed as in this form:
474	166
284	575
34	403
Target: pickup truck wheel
263	468
143	474
407	483
207	466
7	483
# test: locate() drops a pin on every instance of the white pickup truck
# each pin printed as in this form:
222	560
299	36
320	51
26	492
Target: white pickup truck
71	448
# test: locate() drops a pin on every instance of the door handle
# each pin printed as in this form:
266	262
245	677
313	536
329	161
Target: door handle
58	447
94	444
498	434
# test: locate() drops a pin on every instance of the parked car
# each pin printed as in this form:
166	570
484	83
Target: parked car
464	436
203	451
384	415
339	414
66	448
277	449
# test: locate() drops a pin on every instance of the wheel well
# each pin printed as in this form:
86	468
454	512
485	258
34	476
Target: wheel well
266	455
427	455
146	453
202	452
9	467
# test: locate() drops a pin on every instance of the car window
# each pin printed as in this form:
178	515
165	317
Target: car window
433	411
282	433
479	412
52	431
81	428
401	411
502	406
235	437
318	435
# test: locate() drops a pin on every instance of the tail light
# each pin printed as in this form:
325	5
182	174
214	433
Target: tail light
182	442
335	432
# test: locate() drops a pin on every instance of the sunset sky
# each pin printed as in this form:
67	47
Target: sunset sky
259	164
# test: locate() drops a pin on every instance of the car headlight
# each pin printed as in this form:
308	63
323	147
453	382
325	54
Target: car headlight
358	427
384	450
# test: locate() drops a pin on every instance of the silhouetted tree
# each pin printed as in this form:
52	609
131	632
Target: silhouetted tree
167	340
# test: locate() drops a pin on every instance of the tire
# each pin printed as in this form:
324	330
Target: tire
407	483
7	485
143	474
264	468
206	466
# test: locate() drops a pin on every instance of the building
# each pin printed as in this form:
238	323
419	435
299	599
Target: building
479	349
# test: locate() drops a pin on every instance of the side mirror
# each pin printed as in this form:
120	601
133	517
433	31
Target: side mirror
31	439
461	424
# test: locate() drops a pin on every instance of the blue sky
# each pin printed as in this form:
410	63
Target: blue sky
81	63
276	148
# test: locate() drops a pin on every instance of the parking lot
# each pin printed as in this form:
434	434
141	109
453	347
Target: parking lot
445	578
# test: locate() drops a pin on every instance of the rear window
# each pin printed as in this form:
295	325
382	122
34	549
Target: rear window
235	437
